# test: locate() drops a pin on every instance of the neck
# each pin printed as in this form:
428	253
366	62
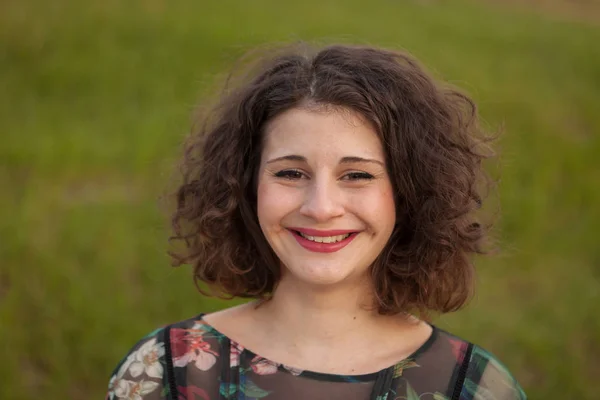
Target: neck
306	316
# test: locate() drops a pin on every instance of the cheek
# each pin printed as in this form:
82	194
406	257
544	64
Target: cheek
263	200
378	208
273	203
389	205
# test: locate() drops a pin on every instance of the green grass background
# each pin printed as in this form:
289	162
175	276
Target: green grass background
96	97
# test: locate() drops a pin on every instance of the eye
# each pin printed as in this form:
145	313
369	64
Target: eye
290	174
357	176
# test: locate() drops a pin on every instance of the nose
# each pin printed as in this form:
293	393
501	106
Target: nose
323	200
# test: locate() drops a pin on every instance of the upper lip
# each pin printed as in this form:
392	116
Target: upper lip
318	232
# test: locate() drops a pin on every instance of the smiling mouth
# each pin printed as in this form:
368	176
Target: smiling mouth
324	239
336	240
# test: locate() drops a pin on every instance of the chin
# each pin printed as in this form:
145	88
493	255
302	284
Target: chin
325	275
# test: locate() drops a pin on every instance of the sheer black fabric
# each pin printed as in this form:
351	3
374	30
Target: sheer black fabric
191	360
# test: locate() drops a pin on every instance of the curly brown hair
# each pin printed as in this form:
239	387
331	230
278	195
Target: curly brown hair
434	150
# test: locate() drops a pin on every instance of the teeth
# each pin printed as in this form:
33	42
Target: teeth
325	239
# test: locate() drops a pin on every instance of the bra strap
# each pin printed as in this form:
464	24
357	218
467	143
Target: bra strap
170	373
383	383
462	373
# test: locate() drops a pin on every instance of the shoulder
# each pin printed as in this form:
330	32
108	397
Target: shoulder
195	342
144	370
487	377
478	373
141	371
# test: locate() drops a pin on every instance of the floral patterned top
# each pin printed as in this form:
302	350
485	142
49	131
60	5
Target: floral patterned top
190	360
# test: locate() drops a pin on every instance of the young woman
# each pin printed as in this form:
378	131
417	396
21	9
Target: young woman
337	188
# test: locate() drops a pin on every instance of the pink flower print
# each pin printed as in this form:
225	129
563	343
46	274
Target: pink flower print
234	354
262	366
179	342
192	392
189	346
130	390
458	349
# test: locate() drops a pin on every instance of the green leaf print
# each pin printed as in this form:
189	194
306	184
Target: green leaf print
227	389
165	391
154	332
410	393
439	396
251	390
382	397
402	365
480	359
478	392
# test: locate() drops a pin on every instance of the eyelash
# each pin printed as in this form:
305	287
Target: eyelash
294	174
289	174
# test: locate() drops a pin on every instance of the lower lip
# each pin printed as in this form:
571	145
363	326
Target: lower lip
322	247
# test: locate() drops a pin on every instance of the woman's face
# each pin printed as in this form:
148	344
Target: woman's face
325	201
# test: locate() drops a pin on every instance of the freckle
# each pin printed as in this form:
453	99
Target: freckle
354	318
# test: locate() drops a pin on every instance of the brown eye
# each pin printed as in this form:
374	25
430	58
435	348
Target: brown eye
357	176
291	174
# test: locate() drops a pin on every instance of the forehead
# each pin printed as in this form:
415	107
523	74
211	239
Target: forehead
323	132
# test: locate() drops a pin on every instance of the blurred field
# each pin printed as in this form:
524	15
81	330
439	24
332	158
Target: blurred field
96	97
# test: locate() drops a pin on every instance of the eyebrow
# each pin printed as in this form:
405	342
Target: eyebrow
343	160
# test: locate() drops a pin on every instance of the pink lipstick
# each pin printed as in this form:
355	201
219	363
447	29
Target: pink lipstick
319	247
